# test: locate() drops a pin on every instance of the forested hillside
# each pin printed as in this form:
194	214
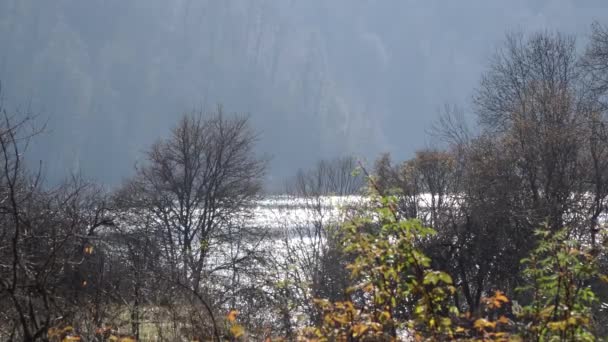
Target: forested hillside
320	79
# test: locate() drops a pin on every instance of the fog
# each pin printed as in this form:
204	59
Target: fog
318	78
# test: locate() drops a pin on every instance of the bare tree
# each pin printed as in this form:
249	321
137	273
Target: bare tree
531	95
196	188
595	60
451	127
538	160
45	238
310	263
436	171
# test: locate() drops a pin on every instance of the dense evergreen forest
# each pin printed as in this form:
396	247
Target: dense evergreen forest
497	235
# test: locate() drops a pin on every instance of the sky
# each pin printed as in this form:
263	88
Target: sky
318	78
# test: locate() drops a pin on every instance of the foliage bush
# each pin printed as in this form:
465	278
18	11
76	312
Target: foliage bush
397	295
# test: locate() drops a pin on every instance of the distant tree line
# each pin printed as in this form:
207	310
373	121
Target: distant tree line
498	234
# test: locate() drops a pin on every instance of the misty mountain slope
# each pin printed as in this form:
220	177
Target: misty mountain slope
319	78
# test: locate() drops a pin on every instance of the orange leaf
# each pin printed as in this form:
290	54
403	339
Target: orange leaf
500	296
503	320
231	317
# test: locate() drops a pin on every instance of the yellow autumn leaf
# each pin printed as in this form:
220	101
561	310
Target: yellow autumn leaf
460	330
342	319
547	311
127	339
88	249
557	326
237	330
481	324
384	316
71	339
359	329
